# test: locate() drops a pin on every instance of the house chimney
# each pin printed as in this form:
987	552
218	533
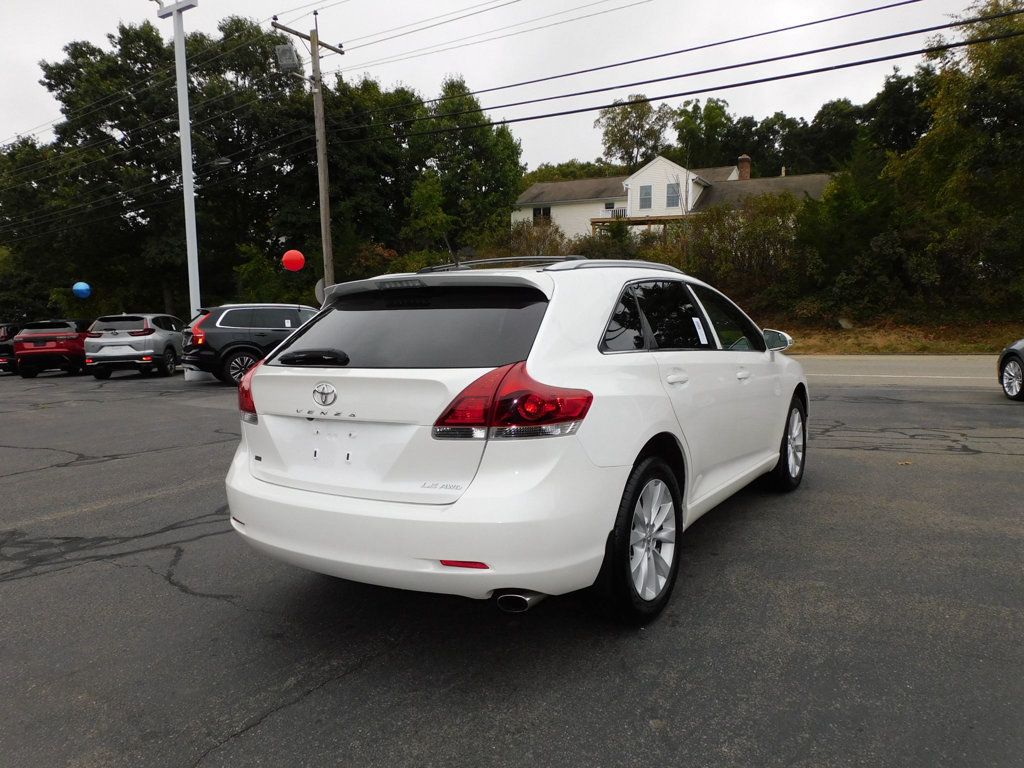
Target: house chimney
743	163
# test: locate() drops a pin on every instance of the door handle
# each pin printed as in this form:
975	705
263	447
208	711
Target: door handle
742	375
677	378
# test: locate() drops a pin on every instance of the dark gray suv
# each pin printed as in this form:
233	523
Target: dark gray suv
229	340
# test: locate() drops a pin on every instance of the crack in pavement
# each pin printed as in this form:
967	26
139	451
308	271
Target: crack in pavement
84	459
39	556
259	719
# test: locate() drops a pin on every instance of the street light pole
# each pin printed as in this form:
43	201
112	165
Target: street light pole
185	136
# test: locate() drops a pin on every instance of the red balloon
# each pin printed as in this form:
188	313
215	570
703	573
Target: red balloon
293	260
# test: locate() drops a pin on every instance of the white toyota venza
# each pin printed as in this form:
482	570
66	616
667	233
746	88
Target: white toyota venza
515	432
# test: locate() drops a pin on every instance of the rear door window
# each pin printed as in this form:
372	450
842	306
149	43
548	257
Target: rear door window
675	319
236	318
430	327
275	317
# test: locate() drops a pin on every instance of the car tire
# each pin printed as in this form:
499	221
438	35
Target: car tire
636	579
101	374
236	364
27	373
789	470
1011	377
168	363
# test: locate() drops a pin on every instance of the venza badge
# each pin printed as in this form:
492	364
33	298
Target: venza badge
324	394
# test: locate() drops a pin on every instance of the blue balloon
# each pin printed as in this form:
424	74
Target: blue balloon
82	290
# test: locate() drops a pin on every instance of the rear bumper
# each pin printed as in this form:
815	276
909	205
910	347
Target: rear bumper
134	359
544	531
205	360
49	358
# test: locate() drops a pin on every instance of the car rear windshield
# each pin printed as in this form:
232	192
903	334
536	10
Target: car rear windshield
430	327
48	325
119	323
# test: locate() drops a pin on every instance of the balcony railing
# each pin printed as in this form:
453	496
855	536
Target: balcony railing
615	213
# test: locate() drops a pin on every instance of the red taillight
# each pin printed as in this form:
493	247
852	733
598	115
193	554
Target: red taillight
246	405
507	402
465	564
89	361
93	335
468	415
143	332
198	334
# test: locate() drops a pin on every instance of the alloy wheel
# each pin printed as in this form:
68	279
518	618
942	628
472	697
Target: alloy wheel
652	540
795	443
1013	378
239	365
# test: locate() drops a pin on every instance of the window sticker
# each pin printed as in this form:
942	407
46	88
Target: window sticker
287	323
700	330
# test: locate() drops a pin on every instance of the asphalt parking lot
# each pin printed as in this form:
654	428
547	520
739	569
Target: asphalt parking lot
873	618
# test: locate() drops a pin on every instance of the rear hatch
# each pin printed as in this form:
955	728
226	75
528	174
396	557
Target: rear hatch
53	335
360	424
119	335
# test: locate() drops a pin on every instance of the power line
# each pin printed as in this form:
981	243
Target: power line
699	91
420	52
421	21
691	49
431	26
710	70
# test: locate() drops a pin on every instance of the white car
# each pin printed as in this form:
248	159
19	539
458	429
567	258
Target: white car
513	432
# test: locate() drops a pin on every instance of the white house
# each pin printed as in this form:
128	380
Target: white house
571	204
652	196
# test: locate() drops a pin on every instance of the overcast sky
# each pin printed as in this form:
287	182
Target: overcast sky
617	30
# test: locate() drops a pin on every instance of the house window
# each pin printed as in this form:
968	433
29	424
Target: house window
541	216
645	196
672	195
609	206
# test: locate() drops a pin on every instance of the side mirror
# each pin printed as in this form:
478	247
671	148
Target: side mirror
777	341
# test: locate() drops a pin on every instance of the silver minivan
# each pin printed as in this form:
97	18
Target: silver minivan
147	343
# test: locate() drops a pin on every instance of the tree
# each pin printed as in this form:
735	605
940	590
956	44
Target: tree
571	170
959	188
705	134
633	131
898	116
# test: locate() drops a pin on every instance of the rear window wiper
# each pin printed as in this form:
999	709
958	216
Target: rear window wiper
324	358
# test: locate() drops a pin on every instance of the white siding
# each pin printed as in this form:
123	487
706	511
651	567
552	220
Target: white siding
659	173
572	218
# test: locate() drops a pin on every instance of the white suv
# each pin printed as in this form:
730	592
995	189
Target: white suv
513	432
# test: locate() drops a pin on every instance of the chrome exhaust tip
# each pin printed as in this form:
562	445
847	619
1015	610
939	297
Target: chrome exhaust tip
520	601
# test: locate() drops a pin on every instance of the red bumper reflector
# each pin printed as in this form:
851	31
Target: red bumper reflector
147	358
88	360
465	564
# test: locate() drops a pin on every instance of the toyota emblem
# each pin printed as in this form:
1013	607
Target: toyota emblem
324	394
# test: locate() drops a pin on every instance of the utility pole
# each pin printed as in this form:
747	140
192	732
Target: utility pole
185	137
315	45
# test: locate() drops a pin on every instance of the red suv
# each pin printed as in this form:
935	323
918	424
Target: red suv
50	344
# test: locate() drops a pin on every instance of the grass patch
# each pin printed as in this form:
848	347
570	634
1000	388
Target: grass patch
894	339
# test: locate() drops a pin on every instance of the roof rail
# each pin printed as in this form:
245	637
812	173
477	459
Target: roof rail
595	263
459	265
